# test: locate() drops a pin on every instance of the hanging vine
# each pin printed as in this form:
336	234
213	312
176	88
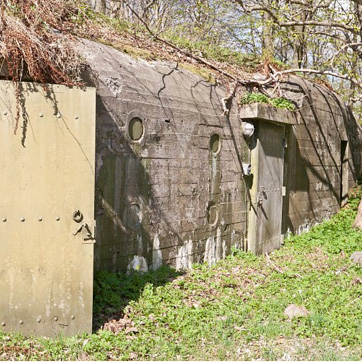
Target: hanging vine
36	43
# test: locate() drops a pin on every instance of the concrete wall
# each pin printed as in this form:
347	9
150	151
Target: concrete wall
313	164
167	197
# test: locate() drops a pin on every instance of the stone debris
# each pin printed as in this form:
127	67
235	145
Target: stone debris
294	311
356	257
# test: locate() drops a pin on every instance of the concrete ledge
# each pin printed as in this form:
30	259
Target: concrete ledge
266	112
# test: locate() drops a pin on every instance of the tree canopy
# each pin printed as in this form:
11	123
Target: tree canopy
322	38
319	37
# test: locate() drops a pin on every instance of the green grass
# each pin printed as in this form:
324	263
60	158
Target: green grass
233	310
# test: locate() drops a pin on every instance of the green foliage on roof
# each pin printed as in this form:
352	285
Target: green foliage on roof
280	102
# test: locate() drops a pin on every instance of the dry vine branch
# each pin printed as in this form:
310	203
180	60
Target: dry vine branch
230	96
279	270
36	44
35	40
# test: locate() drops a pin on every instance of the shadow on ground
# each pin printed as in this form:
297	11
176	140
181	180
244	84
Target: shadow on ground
113	292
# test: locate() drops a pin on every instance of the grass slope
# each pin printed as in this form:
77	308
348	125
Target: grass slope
233	310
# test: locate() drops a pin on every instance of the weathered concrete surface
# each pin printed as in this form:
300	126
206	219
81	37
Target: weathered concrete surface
323	157
268	113
168	197
177	195
322	154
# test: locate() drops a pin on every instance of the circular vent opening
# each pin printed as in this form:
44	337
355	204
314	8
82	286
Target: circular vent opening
215	144
135	129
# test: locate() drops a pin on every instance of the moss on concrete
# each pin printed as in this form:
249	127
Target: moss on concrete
200	71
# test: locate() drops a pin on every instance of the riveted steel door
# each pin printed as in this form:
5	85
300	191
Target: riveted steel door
46	209
267	159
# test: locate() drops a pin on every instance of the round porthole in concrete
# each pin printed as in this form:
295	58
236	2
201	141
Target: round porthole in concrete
215	144
135	129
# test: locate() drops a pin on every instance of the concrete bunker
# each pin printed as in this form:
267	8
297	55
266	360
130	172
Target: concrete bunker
207	182
165	174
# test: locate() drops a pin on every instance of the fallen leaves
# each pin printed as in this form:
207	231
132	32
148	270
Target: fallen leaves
356	281
124	324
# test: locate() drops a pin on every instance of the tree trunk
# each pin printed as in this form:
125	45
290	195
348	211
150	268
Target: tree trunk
114	8
358	220
298	48
268	36
299	45
98	5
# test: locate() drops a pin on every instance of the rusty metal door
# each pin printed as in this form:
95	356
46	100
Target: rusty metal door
47	209
267	159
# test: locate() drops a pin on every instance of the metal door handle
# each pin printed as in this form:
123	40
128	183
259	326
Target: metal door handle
75	232
87	234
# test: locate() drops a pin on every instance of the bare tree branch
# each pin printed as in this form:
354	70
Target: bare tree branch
185	52
353	46
286	24
327	24
275	76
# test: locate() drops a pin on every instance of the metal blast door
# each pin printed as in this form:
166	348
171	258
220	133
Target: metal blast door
267	159
47	209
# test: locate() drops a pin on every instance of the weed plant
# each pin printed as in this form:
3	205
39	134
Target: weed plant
233	310
282	103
